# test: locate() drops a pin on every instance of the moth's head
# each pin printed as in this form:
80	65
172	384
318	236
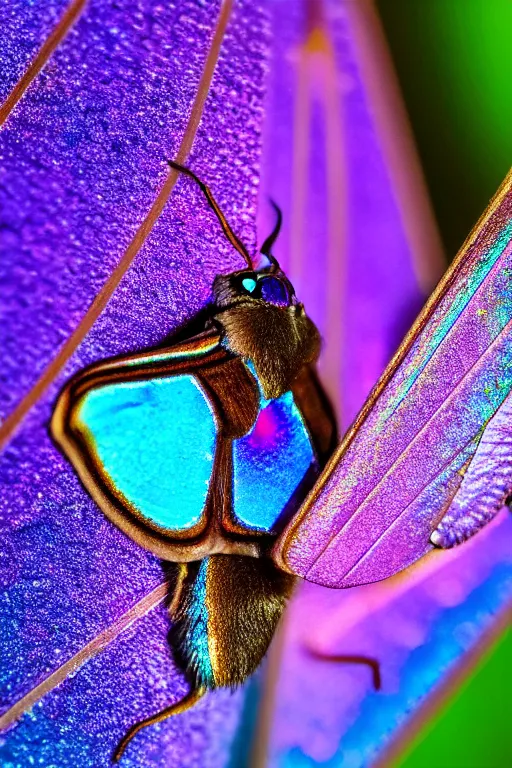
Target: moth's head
264	323
268	285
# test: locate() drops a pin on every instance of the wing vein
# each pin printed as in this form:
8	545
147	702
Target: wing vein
418	493
54	39
12	422
95	646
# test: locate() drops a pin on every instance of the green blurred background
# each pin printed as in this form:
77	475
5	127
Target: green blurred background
472	730
454	63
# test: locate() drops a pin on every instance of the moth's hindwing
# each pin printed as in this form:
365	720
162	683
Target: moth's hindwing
180	450
428	458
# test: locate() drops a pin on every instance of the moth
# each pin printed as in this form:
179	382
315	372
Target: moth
203	451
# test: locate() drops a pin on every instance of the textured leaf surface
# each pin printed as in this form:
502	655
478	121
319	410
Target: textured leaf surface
82	162
25	27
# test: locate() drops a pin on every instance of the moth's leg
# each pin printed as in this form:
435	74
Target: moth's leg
368	661
178	589
180	706
233	239
183	704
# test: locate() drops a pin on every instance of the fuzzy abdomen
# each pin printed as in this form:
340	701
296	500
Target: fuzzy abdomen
227	616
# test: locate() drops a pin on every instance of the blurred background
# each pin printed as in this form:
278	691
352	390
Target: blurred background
453	59
454	63
395	118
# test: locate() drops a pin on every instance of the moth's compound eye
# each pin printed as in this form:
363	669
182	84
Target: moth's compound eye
249	284
274	291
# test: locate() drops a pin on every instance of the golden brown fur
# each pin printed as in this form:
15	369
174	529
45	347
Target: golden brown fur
240	600
278	340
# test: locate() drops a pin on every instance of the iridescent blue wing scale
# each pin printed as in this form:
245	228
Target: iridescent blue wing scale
134	431
271	464
145	433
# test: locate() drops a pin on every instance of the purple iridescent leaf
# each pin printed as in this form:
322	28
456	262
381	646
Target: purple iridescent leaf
82	163
83	159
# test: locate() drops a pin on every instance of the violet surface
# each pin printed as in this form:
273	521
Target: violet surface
83	157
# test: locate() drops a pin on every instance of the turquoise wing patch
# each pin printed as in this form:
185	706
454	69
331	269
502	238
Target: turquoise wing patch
153	443
270	463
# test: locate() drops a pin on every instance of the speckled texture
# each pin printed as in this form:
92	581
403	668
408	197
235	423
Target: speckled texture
82	159
125	683
81	162
24	27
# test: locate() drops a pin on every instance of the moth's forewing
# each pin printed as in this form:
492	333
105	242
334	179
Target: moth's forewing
145	434
399	467
180	449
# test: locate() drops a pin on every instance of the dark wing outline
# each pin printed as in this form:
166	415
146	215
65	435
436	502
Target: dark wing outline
204	357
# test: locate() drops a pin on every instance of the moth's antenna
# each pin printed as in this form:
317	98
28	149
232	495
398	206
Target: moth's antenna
266	248
233	239
185	703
